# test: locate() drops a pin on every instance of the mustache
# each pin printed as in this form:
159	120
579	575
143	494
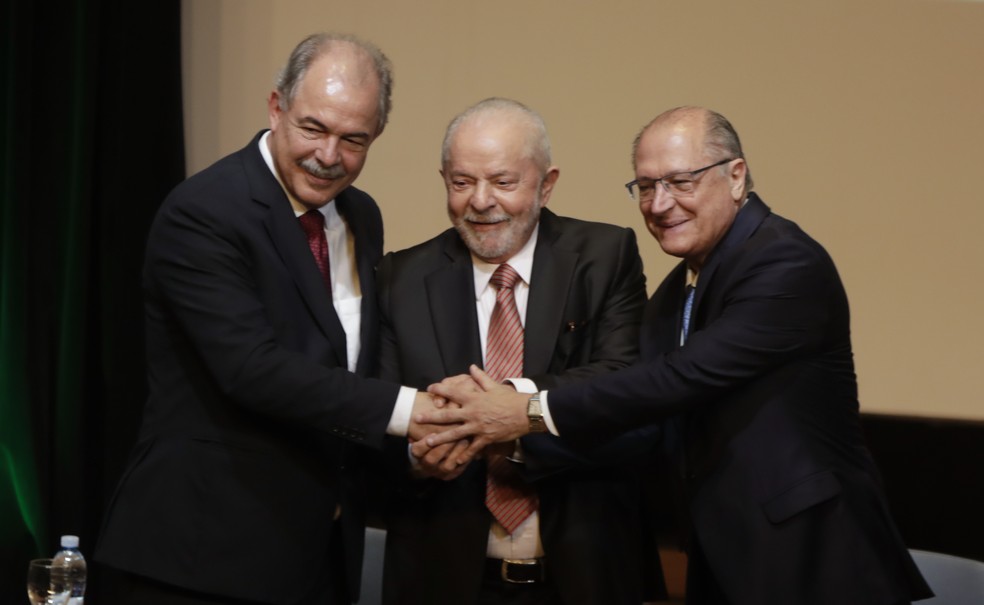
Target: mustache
313	166
486	219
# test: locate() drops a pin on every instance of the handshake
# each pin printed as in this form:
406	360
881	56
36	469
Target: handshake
457	418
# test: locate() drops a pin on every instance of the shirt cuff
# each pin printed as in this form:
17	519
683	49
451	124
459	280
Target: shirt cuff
399	423
547	418
522	385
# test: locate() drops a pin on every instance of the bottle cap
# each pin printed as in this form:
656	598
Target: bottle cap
70	541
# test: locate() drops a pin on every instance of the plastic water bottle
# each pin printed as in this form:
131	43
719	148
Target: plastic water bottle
71	559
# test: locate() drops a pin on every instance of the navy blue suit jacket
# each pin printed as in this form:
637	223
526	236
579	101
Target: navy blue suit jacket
245	448
785	502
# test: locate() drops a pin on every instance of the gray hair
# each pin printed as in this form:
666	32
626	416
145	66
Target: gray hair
538	142
720	137
316	46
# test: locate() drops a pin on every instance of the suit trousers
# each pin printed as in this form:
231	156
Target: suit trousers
132	589
702	586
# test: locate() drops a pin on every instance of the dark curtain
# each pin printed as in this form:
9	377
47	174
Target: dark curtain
91	143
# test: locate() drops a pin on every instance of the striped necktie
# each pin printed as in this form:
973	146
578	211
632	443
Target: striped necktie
507	496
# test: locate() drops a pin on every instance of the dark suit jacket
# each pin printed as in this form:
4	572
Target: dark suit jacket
786	504
244	450
587	293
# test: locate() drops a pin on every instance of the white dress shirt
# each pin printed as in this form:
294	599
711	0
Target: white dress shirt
346	293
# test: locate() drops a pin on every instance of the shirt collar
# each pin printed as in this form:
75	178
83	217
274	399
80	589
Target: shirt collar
691	277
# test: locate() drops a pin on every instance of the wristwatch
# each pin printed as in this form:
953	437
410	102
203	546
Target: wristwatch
535	415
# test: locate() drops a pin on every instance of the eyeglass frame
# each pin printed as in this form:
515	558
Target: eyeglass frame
666	187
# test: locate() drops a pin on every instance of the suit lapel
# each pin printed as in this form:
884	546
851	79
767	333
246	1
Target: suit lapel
451	298
288	239
748	220
550	284
663	317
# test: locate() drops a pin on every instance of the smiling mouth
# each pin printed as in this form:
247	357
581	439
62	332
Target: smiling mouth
672	225
486	224
319	179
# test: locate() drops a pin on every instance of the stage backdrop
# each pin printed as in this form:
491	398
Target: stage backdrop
861	121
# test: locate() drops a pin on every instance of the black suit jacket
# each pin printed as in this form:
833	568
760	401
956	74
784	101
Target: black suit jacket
586	295
786	504
244	452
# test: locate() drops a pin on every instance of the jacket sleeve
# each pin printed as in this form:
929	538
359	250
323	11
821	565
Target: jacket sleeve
772	304
614	344
209	301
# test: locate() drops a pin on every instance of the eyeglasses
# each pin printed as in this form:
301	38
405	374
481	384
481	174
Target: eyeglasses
678	183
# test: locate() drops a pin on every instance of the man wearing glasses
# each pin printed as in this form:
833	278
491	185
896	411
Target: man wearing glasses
746	353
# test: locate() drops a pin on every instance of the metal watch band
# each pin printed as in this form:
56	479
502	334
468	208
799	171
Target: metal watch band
535	414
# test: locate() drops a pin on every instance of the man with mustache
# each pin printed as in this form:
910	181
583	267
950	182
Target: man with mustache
245	485
570	530
746	351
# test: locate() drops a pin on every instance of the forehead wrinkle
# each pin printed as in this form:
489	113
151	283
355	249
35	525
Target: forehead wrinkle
673	153
500	128
312	120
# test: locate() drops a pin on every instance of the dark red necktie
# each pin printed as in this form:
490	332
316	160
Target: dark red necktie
510	499
313	223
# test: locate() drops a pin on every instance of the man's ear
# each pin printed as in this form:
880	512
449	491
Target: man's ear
273	110
547	184
737	175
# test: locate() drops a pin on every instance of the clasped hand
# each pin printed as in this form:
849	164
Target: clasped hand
465	414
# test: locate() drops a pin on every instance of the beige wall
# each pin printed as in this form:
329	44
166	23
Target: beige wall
862	120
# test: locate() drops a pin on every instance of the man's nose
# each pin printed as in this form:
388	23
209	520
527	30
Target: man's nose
483	197
662	200
327	151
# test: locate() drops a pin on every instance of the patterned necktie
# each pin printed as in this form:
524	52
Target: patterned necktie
688	306
313	223
510	499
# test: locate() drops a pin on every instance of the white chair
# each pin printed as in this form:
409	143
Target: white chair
372	567
955	580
